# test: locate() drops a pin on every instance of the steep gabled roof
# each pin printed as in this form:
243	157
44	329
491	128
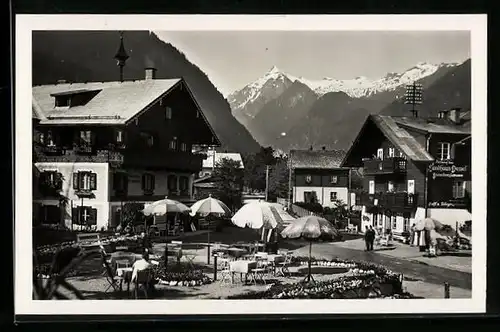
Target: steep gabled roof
115	102
436	126
316	159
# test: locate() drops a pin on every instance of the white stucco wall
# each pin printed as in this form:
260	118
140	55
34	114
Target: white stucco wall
99	202
323	194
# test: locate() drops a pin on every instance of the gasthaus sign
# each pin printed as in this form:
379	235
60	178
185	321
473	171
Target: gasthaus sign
447	169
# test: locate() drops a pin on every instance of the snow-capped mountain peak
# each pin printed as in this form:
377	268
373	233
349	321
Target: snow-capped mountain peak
273	70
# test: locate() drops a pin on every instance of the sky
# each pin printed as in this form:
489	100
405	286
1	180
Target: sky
232	59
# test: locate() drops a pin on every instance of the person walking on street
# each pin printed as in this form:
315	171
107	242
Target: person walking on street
372	237
412	235
367	238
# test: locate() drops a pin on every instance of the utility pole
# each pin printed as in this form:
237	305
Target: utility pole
267	181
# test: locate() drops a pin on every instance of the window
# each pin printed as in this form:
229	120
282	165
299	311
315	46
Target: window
84	181
62	101
84	215
168	113
390	186
198	115
184	184
173	145
333	179
406	224
120	182
49	141
411	186
148	183
148	139
443	151
458	189
380	219
49	214
52	179
310	197
172	183
371	187
393	222
308	179
184	147
119	136
380	154
391	152
86	136
333	196
401	155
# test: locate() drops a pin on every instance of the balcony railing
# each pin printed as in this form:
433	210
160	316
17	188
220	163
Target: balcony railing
53	150
388	200
85	149
385	166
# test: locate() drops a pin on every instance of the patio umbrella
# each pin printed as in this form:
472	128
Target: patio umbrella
428	224
209	206
162	207
257	215
309	228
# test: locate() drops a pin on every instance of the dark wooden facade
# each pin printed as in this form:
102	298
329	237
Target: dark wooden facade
321	178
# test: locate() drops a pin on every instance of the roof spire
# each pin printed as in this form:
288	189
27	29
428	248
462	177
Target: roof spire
121	56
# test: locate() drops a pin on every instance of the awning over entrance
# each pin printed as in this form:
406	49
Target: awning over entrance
450	216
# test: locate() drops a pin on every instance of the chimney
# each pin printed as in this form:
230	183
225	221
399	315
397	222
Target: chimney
454	115
150	73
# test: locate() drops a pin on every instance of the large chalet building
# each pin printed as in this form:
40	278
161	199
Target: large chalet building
99	145
413	168
317	176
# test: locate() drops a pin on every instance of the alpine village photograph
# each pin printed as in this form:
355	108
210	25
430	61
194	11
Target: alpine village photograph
237	165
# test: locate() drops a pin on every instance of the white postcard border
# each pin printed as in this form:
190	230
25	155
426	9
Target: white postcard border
25	24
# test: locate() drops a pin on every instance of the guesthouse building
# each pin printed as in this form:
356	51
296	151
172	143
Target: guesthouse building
413	168
100	145
316	176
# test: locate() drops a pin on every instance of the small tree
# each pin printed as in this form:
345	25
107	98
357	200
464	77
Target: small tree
339	213
132	213
228	177
278	180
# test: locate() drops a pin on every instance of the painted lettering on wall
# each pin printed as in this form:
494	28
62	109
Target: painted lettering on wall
446	169
448	205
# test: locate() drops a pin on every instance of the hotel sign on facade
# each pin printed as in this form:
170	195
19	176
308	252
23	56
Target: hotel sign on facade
447	169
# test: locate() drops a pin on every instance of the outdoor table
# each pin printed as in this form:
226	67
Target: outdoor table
236	252
241	267
121	256
275	258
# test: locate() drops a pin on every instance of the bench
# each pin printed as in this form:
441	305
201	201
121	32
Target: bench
88	240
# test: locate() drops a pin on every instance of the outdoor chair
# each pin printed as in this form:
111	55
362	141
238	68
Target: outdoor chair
113	280
282	267
259	272
225	272
143	280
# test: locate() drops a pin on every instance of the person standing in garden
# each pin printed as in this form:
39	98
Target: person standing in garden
373	234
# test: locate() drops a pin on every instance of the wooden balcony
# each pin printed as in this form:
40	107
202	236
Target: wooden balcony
156	159
394	165
387	200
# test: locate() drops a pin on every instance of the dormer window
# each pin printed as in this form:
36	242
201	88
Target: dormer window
168	113
63	101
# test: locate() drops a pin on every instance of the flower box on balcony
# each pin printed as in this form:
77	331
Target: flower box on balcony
84	149
84	192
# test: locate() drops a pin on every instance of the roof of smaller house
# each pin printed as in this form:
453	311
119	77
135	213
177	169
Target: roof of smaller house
438	126
324	159
401	138
115	103
209	162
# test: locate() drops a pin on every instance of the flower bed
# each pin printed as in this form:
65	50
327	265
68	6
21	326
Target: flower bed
180	277
364	280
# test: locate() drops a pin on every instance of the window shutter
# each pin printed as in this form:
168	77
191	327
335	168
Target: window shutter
93	181
74	215
125	183
76	181
143	182
93	217
152	182
115	181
